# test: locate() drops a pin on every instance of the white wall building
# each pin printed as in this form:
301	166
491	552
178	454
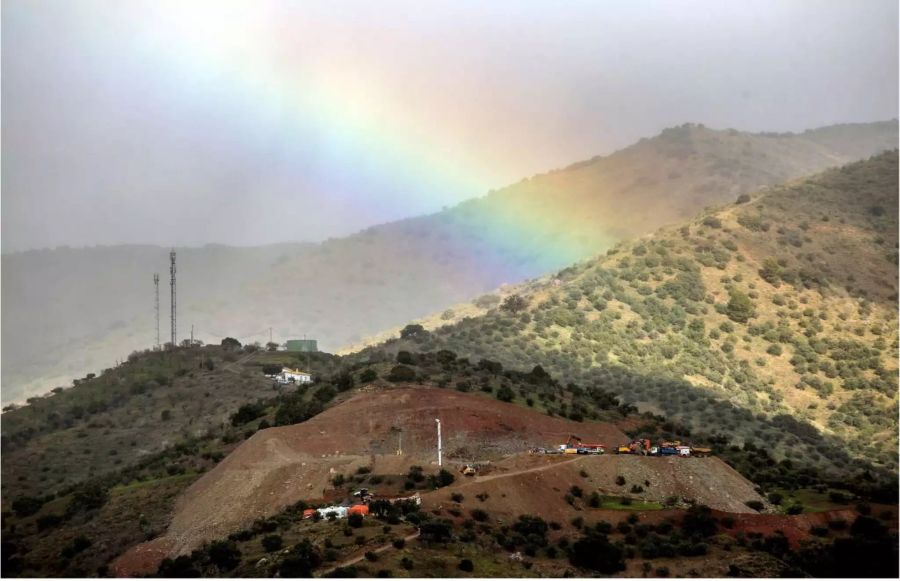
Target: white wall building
289	375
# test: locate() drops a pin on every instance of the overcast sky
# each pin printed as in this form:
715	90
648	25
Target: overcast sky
184	123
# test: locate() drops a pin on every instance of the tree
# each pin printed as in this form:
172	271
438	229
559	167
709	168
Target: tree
224	555
271	369
301	561
436	530
271	346
698	520
272	543
596	553
402	373
514	304
414	333
368	375
740	308
247	413
231	344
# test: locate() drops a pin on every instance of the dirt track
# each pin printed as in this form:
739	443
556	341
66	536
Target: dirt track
279	466
538	484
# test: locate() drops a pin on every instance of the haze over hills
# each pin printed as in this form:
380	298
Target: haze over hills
69	312
772	320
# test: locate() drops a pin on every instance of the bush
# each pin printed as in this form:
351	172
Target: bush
466	565
457	497
414	333
776	498
224	555
755	505
740	308
479	514
368	375
514	304
355	520
596	553
27	505
303	558
399	543
272	543
401	373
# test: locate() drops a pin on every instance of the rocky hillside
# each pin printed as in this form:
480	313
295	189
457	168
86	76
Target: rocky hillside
772	320
74	311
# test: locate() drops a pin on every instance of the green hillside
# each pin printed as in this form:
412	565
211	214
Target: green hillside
772	320
69	312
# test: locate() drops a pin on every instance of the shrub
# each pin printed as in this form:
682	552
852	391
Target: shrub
399	543
272	543
466	565
740	308
457	497
479	514
355	520
368	375
414	333
755	505
224	555
596	553
303	558
401	373
514	304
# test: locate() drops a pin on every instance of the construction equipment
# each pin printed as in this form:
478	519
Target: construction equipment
571	445
468	470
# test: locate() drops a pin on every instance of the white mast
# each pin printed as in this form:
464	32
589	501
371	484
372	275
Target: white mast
440	462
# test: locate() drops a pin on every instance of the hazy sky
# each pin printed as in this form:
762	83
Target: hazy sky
178	122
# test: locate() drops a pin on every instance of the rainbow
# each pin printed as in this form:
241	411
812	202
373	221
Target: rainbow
230	55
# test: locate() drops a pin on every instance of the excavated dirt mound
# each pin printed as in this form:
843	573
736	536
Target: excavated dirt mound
538	484
279	466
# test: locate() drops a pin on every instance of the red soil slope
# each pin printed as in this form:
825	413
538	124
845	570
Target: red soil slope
279	466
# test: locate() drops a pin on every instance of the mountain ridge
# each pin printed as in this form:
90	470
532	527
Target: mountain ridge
388	274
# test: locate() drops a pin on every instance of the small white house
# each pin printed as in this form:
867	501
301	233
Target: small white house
339	511
289	375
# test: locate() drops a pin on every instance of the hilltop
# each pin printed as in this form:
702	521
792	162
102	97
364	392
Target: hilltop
74	311
771	322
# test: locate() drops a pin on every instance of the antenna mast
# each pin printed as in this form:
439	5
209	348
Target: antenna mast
440	461
156	286
172	284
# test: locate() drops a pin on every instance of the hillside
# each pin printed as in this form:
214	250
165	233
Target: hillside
771	321
278	467
74	311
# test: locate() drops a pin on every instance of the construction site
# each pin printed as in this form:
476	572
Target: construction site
519	460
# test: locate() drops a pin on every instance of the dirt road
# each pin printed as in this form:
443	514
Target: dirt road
358	558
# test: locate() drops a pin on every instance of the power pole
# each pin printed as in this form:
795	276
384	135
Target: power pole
192	335
440	459
156	286
270	334
172	285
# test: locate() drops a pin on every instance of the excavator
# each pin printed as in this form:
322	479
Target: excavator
571	445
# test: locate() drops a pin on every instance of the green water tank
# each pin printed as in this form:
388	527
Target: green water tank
302	345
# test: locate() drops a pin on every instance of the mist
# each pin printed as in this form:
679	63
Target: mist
251	123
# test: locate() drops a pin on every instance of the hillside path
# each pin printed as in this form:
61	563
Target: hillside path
358	558
479	479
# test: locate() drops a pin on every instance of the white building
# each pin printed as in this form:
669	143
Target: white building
289	375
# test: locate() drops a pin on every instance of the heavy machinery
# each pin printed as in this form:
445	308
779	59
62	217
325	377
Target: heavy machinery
638	447
468	470
571	445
